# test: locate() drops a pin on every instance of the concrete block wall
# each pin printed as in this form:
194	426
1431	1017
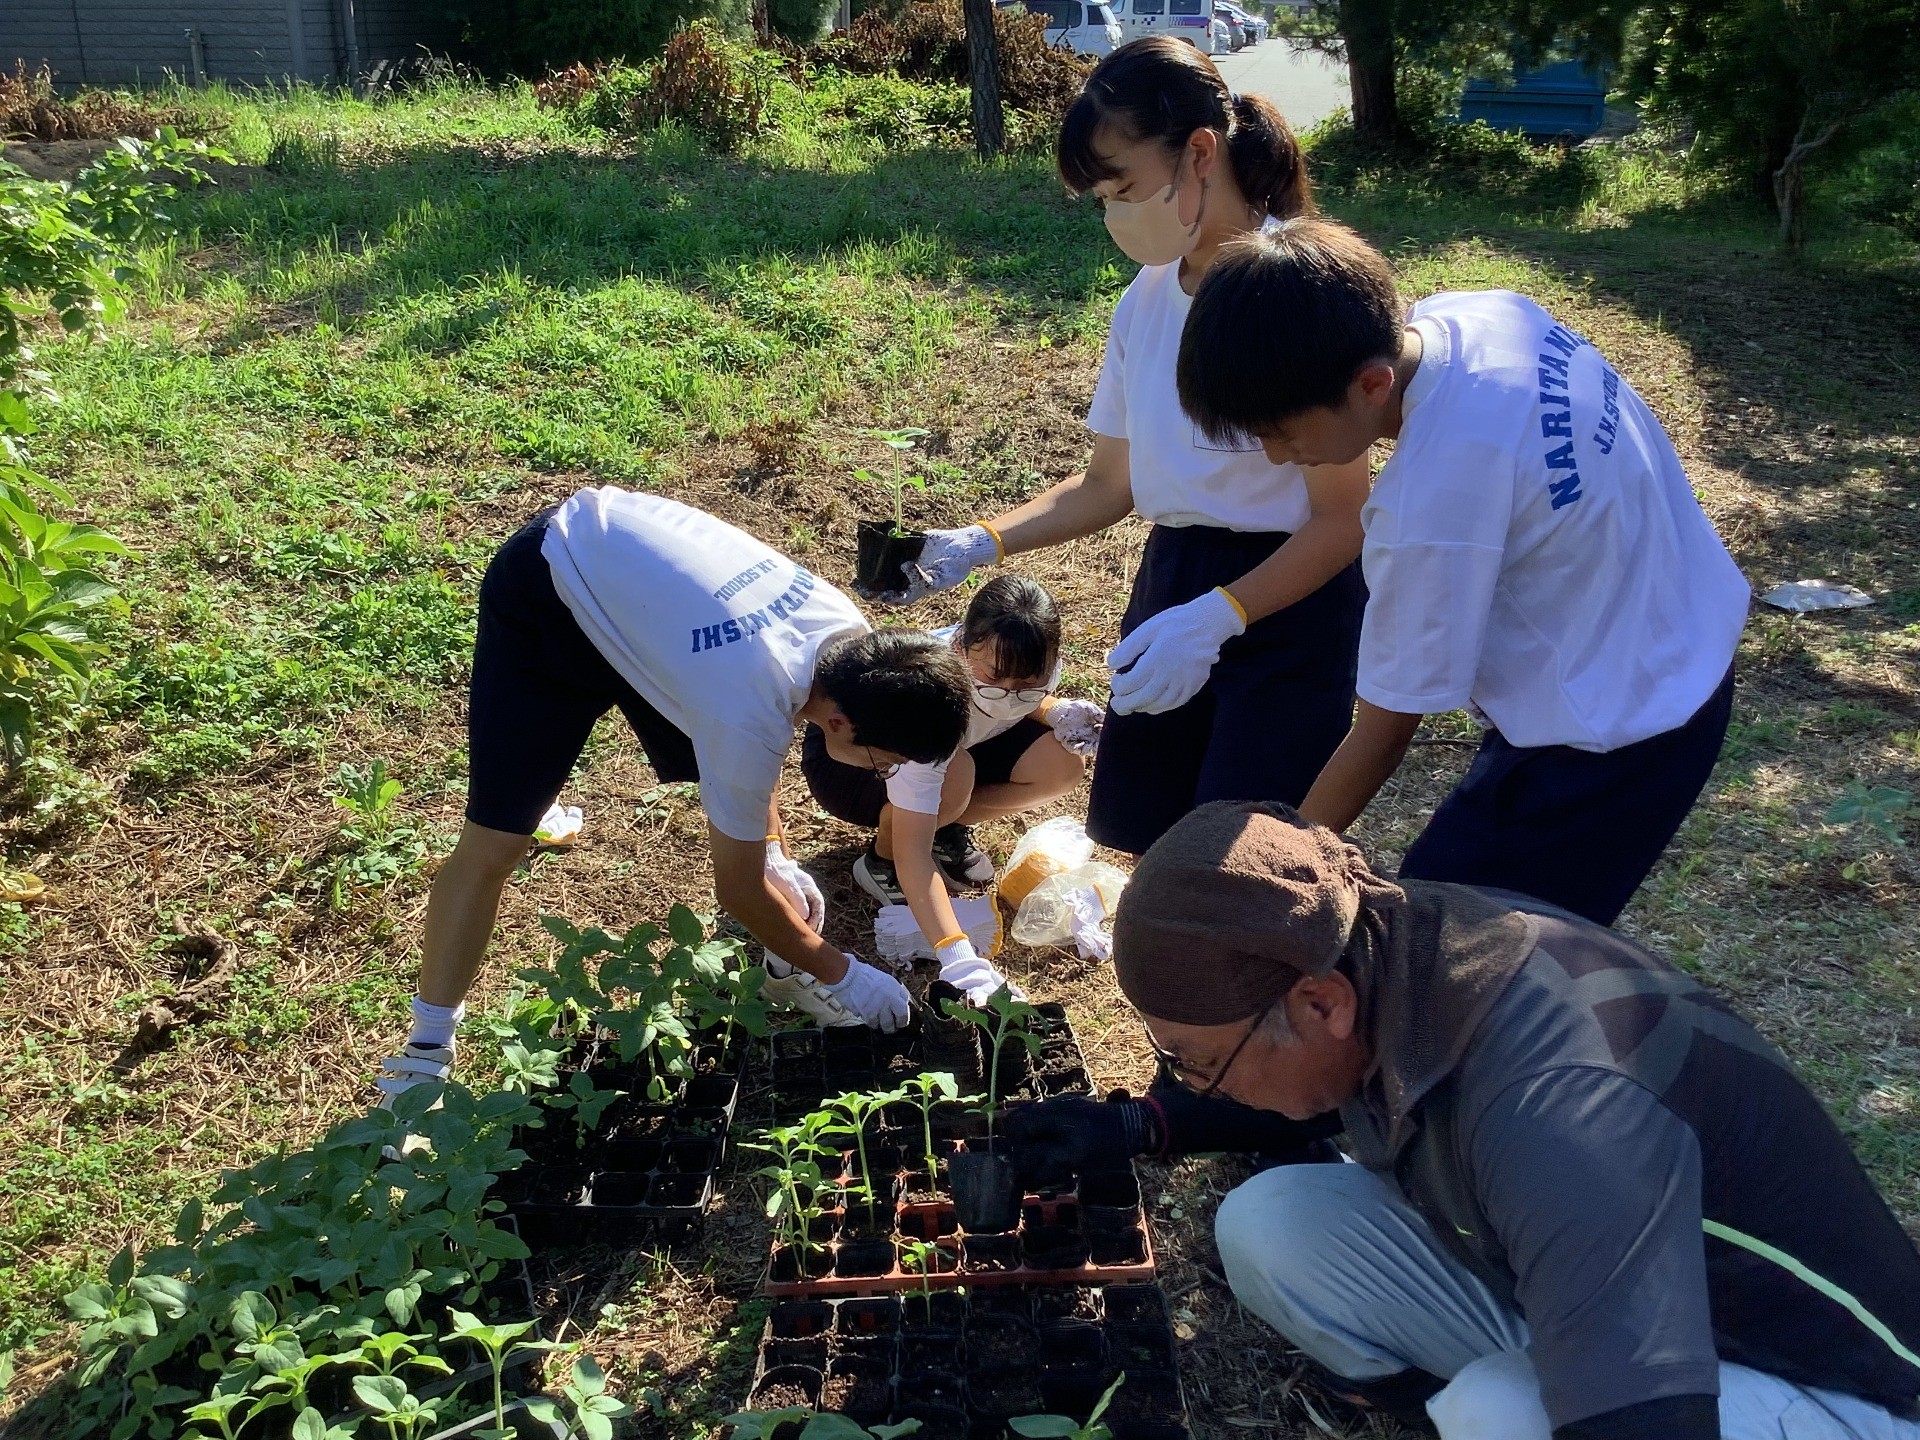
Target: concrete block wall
141	42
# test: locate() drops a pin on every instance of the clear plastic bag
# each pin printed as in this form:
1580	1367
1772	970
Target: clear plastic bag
1072	907
1047	849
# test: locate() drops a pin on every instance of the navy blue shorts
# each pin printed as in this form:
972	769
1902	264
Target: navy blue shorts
855	794
1577	829
539	685
1276	706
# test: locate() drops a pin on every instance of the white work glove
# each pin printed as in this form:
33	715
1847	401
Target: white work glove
799	888
1172	654
876	997
948	557
962	968
1076	725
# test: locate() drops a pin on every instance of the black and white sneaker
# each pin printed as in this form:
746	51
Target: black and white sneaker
878	879
965	864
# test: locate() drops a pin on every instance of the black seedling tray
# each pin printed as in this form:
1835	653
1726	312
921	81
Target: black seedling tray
1058	1241
644	1166
971	1362
807	1065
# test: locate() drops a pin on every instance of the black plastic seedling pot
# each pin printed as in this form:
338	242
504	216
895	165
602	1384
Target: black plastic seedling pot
882	552
986	1192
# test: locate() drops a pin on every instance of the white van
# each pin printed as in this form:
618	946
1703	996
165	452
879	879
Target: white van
1086	27
1192	21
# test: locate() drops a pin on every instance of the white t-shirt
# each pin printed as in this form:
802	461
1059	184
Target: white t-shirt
1533	547
716	631
1179	476
917	787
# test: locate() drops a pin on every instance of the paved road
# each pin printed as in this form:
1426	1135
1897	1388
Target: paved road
1307	87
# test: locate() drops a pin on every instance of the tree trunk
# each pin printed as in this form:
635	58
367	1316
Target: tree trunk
1789	185
983	66
1366	27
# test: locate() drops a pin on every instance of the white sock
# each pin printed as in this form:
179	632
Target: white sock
434	1024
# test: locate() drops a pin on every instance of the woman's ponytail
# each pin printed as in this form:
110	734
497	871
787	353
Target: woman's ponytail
1162	89
1267	161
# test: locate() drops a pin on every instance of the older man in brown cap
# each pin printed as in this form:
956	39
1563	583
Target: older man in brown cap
1591	1202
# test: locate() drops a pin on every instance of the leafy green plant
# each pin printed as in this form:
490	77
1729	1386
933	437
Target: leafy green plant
380	846
304	1259
1060	1427
62	249
919	1256
1879	809
500	1342
814	1425
793	1199
585	1390
653	1000
899	442
403	1413
1004	1018
857	1107
926	1090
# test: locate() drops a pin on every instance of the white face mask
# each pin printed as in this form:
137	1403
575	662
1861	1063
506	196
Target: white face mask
1149	231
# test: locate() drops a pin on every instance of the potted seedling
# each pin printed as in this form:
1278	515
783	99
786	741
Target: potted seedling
499	1342
986	1193
885	547
926	1090
1062	1427
858	1107
791	1202
922	1258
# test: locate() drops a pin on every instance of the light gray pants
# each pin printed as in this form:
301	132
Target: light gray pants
1334	1259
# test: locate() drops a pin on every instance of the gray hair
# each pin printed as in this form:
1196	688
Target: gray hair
1275	1029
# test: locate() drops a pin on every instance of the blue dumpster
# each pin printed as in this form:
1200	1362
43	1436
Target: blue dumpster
1568	99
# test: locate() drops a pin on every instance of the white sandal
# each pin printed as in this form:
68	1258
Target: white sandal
414	1065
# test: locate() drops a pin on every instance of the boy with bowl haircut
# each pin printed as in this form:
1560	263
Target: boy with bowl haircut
1533	552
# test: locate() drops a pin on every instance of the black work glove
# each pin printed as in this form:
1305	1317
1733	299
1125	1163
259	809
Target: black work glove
1190	1123
1052	1141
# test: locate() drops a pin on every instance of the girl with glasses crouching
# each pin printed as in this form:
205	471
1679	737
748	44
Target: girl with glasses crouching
1024	746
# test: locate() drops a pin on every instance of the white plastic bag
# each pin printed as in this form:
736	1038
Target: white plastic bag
560	826
1074	907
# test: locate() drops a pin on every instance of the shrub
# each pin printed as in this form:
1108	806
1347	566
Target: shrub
703	81
928	42
31	110
711	86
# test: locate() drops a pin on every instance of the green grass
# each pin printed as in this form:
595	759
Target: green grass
363	365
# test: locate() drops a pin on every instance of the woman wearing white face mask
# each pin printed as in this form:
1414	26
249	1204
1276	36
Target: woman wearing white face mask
1234	675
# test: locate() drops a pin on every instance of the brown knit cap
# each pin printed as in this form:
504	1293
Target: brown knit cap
1233	905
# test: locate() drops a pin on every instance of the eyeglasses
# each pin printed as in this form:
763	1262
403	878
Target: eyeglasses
1186	1074
1001	692
885	772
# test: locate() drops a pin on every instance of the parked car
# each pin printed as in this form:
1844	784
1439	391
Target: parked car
1236	32
1253	27
1086	27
